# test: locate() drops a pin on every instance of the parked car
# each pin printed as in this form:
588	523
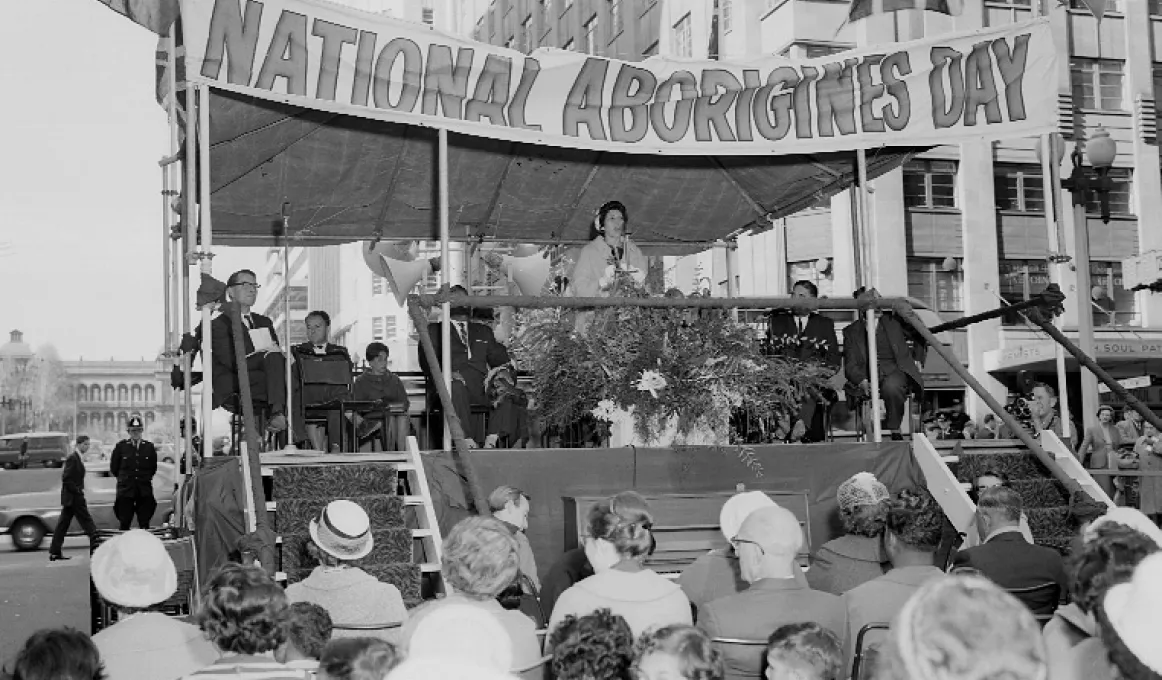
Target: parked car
29	517
45	449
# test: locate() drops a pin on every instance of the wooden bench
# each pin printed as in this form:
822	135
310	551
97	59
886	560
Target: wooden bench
685	524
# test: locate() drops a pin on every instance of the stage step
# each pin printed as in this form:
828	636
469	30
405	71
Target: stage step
1045	499
384	484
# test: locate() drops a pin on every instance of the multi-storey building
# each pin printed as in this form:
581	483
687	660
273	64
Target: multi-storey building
272	296
961	228
109	392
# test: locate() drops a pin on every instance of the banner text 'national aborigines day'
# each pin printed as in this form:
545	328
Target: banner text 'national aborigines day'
990	84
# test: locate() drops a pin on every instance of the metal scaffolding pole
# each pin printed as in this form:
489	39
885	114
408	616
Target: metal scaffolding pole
205	263
445	280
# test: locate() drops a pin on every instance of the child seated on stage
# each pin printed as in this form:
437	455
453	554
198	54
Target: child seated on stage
508	424
378	384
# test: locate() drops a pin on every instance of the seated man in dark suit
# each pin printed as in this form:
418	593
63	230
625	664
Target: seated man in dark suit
318	347
899	355
1006	558
475	350
767	544
808	337
265	364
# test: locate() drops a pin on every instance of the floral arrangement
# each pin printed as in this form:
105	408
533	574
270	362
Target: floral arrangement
696	366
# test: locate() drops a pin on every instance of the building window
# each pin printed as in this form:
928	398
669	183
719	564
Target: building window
683	40
1111	5
809	271
816	50
1120	196
1020	280
941	290
377	284
377	330
1019	188
930	184
1112	304
428	14
726	10
1097	84
615	16
389	326
591	35
1011	3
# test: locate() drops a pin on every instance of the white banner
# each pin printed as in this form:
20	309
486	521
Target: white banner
988	84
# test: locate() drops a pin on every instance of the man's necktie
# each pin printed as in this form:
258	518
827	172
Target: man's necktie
462	330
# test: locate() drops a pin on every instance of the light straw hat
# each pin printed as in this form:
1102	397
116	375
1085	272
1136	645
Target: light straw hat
1131	612
343	530
134	570
738	507
1128	517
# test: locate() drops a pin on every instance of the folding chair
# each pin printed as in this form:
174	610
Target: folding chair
861	655
323	383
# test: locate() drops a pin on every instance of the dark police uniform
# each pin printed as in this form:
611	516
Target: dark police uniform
134	466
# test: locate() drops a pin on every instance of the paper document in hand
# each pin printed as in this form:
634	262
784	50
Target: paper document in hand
262	339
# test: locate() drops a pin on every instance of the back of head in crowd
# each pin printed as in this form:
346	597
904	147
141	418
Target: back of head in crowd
243	611
1106	558
803	651
58	654
359	658
308	631
598	646
963	628
619	528
480	557
767	544
458	636
996	508
674	652
863	504
914	527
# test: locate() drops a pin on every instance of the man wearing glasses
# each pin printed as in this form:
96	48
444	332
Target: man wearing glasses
265	364
134	463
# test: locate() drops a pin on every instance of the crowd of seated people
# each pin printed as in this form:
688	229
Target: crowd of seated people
742	613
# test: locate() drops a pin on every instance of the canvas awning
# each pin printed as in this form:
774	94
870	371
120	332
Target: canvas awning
349	179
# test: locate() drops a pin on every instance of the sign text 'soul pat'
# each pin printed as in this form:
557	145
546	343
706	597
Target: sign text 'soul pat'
993	82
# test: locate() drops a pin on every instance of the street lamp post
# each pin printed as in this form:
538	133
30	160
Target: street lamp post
1101	151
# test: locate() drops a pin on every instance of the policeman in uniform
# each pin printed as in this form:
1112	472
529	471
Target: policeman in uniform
133	463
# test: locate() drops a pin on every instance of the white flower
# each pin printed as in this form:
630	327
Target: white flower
606	410
651	381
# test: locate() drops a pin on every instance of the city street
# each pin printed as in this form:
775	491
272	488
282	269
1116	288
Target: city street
35	594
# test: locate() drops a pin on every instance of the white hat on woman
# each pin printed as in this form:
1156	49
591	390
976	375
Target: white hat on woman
343	530
134	570
1131	610
738	507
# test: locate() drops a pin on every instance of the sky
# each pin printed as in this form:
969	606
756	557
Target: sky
80	189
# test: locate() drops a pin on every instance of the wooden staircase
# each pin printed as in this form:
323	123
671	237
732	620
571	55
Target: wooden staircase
1046	500
391	486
